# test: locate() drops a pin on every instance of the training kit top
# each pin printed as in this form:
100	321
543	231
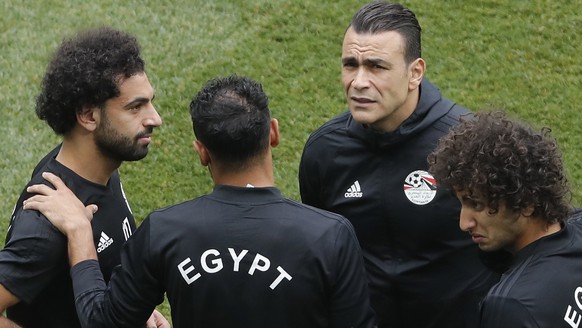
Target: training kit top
34	263
238	257
423	270
543	286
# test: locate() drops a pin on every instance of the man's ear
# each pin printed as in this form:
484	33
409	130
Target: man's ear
202	152
417	69
88	118
528	211
274	133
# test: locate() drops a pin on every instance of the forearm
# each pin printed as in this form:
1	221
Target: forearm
89	289
80	244
124	303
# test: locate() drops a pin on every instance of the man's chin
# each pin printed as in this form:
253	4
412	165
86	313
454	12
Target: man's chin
361	117
136	157
489	248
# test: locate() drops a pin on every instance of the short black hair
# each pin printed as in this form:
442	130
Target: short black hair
231	117
85	71
383	16
505	162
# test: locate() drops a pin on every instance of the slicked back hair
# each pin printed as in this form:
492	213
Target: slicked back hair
383	16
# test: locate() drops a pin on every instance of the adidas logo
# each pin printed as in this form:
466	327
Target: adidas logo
354	191
104	242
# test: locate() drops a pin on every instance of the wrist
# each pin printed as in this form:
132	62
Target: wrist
80	244
77	229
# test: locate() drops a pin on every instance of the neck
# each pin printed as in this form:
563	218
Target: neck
82	157
259	174
395	120
551	229
536	229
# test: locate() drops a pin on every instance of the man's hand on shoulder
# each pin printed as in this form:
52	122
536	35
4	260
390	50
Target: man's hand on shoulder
59	205
67	213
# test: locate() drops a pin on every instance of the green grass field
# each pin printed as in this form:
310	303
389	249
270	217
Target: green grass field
514	54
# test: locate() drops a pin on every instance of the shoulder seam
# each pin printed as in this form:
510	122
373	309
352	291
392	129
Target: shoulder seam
331	125
505	286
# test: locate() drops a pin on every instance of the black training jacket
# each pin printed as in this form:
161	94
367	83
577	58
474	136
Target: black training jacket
238	257
423	270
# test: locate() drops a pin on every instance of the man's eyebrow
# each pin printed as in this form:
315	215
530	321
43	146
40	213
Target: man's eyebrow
472	197
367	62
138	101
349	60
376	61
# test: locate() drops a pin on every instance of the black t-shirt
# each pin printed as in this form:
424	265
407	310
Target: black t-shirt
34	262
543	287
239	257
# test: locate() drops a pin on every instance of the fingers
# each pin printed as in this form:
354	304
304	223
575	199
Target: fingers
157	320
46	190
151	323
42	203
40	189
53	179
59	204
92	208
34	201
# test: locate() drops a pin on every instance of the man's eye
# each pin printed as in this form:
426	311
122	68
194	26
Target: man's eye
473	204
477	205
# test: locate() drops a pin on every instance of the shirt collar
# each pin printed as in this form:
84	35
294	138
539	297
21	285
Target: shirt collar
234	194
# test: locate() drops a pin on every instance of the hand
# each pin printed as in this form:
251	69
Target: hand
157	320
59	205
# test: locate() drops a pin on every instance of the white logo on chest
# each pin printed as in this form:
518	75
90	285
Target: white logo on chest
354	191
420	187
104	242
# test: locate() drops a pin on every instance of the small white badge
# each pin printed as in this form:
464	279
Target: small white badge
420	187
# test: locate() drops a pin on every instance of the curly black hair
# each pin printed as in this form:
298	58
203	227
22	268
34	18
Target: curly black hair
85	72
504	161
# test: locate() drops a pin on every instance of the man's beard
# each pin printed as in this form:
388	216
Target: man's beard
117	146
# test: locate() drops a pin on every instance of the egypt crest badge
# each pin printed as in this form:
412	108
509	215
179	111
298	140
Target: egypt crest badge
420	187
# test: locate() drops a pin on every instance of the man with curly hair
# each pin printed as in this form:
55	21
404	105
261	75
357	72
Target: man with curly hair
514	195
97	96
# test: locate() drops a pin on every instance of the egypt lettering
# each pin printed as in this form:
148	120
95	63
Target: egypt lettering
572	316
212	262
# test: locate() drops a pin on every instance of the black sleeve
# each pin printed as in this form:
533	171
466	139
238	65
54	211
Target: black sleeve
34	255
133	292
309	186
500	312
350	302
